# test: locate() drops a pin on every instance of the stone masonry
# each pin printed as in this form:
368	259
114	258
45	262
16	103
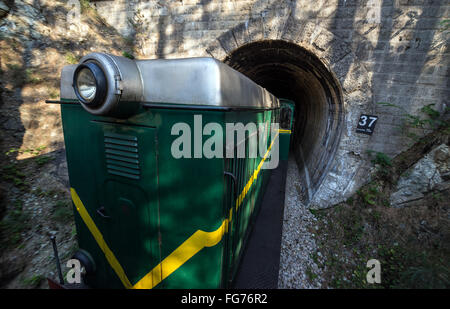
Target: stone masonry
392	51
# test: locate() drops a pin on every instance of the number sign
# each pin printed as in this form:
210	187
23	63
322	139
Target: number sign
366	124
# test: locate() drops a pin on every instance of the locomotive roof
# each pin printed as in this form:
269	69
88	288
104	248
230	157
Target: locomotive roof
192	81
201	81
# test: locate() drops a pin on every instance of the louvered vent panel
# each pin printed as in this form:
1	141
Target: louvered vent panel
122	156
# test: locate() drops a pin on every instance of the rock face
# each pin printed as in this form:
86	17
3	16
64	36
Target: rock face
430	173
37	38
4	9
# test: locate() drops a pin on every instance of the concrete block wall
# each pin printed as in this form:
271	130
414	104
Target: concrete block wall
382	51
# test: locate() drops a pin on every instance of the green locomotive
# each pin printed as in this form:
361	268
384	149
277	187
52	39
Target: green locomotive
287	109
163	197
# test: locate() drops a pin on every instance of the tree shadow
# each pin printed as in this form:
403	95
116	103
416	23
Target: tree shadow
31	145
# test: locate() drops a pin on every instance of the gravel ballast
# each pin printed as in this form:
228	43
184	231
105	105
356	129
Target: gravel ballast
298	246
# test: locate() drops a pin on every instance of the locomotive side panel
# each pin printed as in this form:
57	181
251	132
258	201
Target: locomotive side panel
113	179
251	182
191	202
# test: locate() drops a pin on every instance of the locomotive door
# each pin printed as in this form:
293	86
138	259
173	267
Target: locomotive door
128	196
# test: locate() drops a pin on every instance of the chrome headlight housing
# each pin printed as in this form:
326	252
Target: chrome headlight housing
89	83
108	85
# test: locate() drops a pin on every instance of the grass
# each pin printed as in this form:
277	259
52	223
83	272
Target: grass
12	173
62	211
32	77
310	274
21	75
74	231
425	120
411	243
69	252
18	74
13	225
34	151
412	254
33	281
128	55
53	94
43	160
85	7
383	163
71	58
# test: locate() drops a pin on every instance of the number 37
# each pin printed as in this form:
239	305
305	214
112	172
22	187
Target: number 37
363	120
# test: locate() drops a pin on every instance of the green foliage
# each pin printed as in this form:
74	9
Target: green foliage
384	163
445	25
33	151
32	77
127	55
311	275
13	67
17	73
71	58
42	160
62	211
432	113
12	173
404	268
33	281
53	94
50	193
381	158
428	119
367	197
12	225
410	255
316	212
427	276
74	231
11	151
389	104
21	75
314	256
438	196
85	6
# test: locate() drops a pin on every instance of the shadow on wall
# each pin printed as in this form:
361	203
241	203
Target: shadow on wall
409	69
371	40
31	57
378	50
36	42
359	46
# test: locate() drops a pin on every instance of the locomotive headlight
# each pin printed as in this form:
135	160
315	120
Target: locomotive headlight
86	84
105	85
90	83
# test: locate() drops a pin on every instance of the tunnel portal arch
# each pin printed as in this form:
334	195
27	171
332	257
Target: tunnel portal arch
331	88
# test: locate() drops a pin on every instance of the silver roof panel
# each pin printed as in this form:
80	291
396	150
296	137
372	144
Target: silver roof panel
200	81
190	81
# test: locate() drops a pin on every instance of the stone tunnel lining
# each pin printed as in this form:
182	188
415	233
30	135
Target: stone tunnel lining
289	71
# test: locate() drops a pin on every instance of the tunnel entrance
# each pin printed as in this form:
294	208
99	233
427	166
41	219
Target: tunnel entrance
290	71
